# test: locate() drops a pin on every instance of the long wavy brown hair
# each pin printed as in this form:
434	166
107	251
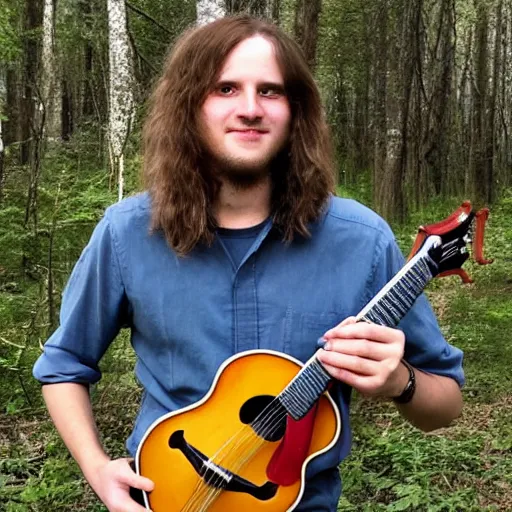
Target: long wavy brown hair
176	171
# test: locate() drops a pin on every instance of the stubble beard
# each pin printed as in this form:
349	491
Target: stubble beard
240	174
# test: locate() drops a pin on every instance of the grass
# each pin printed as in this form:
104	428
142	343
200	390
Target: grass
392	467
467	467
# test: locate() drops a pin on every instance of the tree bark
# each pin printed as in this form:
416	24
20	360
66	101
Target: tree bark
491	124
274	11
2	147
33	15
210	10
380	99
50	82
461	157
120	88
434	153
505	112
480	178
306	28
85	11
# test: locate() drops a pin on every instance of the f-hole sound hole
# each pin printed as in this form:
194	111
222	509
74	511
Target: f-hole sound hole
272	426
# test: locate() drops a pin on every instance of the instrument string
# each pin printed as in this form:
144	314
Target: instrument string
267	423
207	489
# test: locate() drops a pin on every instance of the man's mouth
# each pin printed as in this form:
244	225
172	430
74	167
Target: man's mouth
248	130
248	134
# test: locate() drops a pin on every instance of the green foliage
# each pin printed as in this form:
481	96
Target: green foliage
9	39
392	466
405	470
468	467
154	39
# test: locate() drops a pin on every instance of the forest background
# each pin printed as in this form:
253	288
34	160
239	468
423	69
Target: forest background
417	93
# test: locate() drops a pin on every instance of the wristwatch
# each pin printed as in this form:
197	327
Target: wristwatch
406	396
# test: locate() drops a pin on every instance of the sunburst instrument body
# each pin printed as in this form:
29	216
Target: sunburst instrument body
216	427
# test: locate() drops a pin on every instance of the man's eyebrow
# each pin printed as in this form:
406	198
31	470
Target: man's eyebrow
226	82
270	85
273	85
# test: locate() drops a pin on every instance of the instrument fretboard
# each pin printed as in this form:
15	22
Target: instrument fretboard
387	308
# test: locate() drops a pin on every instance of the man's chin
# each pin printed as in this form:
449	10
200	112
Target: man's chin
243	174
244	179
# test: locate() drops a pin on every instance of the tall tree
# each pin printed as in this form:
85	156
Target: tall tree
9	52
2	147
390	195
306	27
120	88
50	82
32	21
32	118
493	104
380	98
434	141
480	180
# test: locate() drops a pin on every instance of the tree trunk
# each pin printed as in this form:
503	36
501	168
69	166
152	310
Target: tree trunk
361	155
11	108
438	109
461	157
306	28
491	124
380	99
32	116
50	82
67	125
87	89
31	53
120	88
210	10
391	201
2	147
505	177
274	11
480	179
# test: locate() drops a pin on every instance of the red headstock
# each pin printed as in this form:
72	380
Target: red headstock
463	226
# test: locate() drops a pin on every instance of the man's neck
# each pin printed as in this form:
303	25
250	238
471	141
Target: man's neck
237	208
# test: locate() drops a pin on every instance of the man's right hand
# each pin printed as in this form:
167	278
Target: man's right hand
71	411
112	481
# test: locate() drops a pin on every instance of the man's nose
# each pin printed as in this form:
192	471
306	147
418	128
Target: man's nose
250	105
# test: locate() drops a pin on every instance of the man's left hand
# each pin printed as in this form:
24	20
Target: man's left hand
366	357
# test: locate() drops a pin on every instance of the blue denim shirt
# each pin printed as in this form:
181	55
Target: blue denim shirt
188	315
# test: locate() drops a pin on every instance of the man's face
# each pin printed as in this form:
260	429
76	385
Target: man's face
245	120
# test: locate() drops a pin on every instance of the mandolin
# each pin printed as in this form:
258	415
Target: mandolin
247	443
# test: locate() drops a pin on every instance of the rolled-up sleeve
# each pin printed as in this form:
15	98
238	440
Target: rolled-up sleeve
92	312
426	347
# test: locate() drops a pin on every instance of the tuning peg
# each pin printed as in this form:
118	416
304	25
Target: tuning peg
481	218
457	272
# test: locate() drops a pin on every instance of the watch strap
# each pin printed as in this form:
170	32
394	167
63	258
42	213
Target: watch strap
406	396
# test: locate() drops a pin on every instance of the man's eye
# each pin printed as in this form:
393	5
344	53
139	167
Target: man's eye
270	92
226	90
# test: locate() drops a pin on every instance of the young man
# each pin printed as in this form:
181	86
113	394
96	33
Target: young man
237	244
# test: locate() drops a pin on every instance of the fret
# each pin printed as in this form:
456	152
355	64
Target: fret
305	389
390	308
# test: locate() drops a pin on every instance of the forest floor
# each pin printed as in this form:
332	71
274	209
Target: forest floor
392	467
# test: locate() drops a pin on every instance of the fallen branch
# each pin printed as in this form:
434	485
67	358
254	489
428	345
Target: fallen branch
148	17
